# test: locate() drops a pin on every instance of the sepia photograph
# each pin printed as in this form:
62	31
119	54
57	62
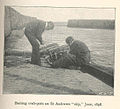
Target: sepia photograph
59	50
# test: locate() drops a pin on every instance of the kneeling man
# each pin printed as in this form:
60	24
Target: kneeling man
79	55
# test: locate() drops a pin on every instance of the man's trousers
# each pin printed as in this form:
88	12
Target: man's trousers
35	57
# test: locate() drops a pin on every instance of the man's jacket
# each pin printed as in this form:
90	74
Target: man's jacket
36	28
81	51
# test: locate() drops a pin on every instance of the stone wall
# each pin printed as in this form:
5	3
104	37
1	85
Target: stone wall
97	24
13	20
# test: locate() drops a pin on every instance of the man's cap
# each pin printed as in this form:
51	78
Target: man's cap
50	24
69	39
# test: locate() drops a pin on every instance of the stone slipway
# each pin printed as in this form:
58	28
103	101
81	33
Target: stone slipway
33	79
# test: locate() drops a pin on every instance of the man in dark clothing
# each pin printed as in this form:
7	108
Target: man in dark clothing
78	55
80	50
33	32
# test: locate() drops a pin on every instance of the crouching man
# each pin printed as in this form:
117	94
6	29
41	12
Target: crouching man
33	32
79	55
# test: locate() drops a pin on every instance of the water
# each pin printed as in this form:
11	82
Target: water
100	42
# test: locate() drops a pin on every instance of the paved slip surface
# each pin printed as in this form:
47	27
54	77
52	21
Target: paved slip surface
33	79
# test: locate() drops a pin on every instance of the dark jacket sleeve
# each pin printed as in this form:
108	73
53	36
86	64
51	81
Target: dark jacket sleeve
73	49
40	39
40	30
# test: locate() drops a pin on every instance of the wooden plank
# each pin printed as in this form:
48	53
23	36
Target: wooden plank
102	73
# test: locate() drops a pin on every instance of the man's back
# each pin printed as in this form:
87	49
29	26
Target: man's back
78	48
36	27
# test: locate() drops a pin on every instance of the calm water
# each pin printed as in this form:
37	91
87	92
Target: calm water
100	42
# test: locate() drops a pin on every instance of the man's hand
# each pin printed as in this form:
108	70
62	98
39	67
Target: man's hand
42	43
